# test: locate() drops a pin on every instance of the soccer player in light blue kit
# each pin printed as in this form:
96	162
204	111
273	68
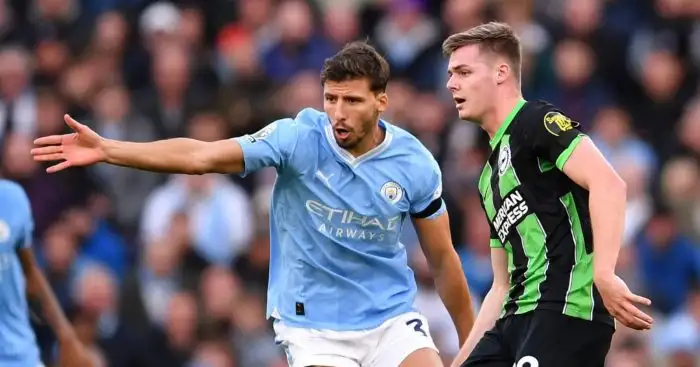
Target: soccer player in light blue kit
340	290
21	277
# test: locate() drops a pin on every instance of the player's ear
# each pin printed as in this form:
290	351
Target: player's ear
382	101
502	73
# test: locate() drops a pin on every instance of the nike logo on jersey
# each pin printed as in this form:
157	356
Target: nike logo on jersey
326	179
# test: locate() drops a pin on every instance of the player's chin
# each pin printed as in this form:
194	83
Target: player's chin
346	143
465	114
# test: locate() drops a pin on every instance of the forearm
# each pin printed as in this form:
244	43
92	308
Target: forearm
488	314
49	310
607	203
177	155
454	292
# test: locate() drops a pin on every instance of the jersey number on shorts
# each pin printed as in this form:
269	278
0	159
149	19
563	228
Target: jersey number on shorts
417	326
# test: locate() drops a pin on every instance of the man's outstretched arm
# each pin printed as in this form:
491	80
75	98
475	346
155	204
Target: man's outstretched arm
180	155
271	146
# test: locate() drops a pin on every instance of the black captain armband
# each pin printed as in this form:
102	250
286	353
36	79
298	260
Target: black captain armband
431	209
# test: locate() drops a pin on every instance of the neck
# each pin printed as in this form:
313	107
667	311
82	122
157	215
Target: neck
370	141
493	120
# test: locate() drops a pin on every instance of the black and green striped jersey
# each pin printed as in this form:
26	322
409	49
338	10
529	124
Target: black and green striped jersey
539	216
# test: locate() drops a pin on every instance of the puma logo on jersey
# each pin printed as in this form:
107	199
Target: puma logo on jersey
326	179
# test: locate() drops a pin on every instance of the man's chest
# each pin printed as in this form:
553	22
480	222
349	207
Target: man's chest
504	186
369	188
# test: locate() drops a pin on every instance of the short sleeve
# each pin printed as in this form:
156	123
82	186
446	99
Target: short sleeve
28	233
428	193
272	146
553	135
494	242
24	209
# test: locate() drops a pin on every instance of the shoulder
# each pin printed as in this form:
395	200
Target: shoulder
15	209
410	148
289	129
543	116
307	122
418	166
311	118
12	192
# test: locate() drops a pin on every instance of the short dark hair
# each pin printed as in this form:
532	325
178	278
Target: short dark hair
494	37
357	60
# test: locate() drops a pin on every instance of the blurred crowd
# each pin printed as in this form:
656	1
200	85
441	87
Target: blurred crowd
159	270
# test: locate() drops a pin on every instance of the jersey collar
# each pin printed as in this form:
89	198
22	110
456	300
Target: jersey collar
504	126
349	158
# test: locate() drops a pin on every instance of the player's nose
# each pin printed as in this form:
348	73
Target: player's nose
339	115
452	84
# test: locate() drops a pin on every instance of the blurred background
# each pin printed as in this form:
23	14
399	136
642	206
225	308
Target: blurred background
158	270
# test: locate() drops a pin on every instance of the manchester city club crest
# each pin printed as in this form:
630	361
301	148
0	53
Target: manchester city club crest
392	192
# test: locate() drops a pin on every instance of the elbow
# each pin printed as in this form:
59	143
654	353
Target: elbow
500	285
197	166
444	262
499	290
202	161
622	186
611	184
618	186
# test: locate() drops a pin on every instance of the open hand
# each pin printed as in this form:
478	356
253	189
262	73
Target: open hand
620	302
81	148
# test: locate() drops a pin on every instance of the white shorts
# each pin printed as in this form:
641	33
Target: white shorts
385	346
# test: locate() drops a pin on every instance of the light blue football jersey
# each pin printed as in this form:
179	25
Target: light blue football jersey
336	261
17	340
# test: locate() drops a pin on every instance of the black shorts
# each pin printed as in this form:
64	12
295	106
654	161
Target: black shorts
543	339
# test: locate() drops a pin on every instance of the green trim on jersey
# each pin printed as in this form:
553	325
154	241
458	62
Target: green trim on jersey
532	238
579	296
487	197
544	165
511	267
504	126
564	156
